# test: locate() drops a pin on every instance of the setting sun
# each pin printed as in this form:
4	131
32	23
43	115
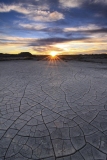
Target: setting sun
53	54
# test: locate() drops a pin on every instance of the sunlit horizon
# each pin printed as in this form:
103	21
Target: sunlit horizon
41	27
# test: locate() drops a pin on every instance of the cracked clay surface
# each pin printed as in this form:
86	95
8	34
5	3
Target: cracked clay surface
53	111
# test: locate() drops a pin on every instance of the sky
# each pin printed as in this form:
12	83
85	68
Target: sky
59	26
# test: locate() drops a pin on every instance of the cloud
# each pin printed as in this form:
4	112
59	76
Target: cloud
47	49
82	28
46	17
79	3
36	42
42	27
10	40
32	12
101	1
32	26
89	30
14	7
46	45
70	3
53	41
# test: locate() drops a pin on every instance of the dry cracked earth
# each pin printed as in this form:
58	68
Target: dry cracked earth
53	111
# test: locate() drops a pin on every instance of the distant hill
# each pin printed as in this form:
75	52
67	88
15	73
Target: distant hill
22	54
25	54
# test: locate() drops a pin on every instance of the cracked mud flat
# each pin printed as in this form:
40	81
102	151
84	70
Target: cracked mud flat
53	111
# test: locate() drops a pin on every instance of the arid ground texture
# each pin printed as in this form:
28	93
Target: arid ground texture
53	110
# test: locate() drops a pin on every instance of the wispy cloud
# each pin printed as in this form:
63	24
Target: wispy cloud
100	1
32	26
79	3
96	33
70	3
14	7
82	28
45	16
32	12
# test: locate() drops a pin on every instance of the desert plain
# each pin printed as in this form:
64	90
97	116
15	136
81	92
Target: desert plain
53	110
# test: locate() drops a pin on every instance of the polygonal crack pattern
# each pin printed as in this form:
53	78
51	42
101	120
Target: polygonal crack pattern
53	111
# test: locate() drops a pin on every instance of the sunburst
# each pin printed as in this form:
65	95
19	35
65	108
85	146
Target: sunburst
53	54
